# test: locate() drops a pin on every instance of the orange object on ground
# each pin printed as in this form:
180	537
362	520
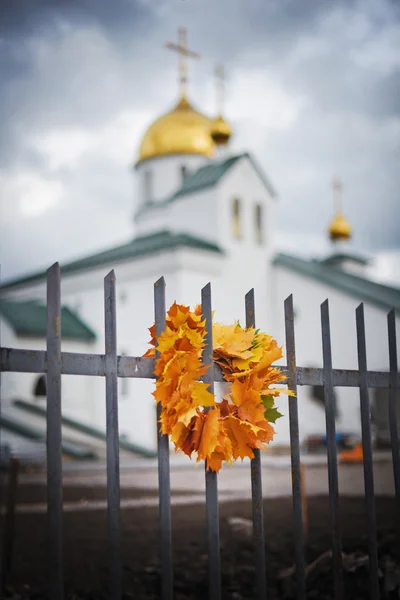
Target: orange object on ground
353	455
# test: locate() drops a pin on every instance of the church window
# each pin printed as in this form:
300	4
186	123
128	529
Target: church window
259	223
40	388
148	186
236	223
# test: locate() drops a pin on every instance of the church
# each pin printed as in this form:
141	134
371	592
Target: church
202	214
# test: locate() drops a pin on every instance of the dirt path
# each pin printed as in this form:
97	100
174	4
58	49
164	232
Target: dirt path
85	556
85	532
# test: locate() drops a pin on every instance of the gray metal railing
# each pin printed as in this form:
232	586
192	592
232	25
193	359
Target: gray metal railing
54	362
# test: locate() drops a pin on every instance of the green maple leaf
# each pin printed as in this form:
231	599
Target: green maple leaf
271	413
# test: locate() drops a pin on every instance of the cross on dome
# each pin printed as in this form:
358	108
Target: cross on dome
183	54
184	130
337	191
219	75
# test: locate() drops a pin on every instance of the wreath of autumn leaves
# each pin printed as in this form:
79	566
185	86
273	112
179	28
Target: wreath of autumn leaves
242	421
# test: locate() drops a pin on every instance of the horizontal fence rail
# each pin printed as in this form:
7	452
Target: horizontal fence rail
109	365
136	367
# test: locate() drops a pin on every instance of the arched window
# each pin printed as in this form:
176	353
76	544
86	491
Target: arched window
236	223
40	388
148	186
259	223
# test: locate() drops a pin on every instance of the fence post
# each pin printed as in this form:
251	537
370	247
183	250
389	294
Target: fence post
256	488
337	561
214	558
295	450
113	484
164	484
53	436
367	453
9	524
393	413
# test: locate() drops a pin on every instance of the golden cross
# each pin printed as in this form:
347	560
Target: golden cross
337	193
219	75
183	53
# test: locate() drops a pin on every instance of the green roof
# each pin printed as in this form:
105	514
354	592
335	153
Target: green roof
207	177
384	296
138	247
338	257
28	319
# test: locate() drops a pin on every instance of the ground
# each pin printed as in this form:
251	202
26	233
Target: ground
85	534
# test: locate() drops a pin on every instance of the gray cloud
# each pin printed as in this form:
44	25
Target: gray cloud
75	65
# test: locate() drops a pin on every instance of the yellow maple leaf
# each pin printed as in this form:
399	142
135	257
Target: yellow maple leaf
239	435
209	434
232	340
201	396
243	364
166	340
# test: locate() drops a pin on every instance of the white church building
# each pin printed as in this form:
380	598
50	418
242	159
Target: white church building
201	215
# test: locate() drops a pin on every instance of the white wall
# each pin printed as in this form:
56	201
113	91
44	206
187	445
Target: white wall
248	261
84	397
153	220
77	397
195	214
308	295
166	175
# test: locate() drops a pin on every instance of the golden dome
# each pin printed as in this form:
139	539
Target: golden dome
220	131
183	130
340	228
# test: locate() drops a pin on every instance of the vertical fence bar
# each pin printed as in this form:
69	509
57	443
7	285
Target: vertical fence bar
7	545
214	558
367	453
113	484
295	450
53	436
337	561
256	488
164	486
394	434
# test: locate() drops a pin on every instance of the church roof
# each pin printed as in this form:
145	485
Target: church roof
207	177
384	296
338	257
140	246
28	319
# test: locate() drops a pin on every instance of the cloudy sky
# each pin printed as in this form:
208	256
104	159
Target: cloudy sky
313	90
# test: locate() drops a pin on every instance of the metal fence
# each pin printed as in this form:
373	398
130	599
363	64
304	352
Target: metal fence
111	366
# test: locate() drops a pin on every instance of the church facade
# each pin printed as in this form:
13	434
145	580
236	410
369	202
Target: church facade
201	215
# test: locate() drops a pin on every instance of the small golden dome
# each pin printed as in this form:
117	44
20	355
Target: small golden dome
183	130
340	228
220	131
